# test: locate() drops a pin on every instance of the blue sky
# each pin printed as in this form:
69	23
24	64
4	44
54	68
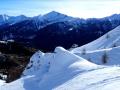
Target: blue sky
76	8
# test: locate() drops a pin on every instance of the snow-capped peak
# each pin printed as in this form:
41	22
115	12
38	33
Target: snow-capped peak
15	19
56	16
4	18
11	19
49	18
53	13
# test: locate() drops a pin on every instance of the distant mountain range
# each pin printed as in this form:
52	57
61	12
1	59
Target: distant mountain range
55	29
5	19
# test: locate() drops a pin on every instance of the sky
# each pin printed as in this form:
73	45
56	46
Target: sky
75	8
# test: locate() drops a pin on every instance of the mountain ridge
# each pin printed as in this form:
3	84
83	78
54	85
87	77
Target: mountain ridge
75	28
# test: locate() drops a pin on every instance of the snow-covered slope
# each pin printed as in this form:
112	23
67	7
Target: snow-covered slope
111	39
99	79
61	59
63	70
47	71
2	83
109	56
104	78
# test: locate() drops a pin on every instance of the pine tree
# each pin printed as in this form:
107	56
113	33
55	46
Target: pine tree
83	51
104	58
114	45
107	36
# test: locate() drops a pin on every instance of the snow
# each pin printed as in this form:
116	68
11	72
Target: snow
70	29
54	69
96	56
4	42
56	61
108	44
108	40
34	64
100	79
2	83
64	70
104	78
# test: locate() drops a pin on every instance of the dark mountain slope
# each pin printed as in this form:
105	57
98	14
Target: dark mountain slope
55	29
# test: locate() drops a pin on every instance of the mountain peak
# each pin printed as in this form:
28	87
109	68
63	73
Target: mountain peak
54	12
22	16
4	17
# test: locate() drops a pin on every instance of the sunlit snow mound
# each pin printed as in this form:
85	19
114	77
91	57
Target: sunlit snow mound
49	70
60	60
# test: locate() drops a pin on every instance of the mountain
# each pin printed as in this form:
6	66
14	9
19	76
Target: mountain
109	40
104	50
52	17
5	19
57	29
114	19
16	19
27	29
93	66
67	33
